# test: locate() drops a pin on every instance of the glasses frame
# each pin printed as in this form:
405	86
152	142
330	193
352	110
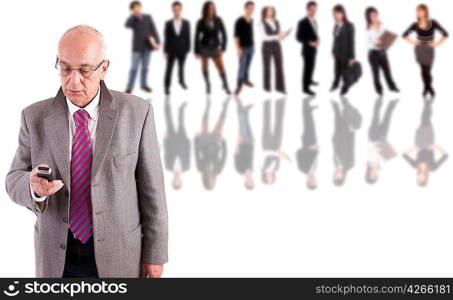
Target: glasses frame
58	67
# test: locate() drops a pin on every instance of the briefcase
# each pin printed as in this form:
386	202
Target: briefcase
352	73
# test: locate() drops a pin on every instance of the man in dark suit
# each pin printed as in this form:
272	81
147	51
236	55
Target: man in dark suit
145	39
176	45
307	34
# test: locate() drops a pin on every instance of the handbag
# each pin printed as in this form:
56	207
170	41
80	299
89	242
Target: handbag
352	73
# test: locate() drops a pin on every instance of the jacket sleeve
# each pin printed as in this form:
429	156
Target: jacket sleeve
300	34
198	35
17	181
223	35
166	35
130	22
188	36
151	195
351	42
153	30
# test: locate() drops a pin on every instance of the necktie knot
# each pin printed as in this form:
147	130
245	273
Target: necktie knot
81	118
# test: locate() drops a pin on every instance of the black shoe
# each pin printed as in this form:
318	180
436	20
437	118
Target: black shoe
226	89
208	89
309	92
380	93
432	92
128	91
425	92
395	89
344	90
333	88
147	89
314	83
167	91
183	85
238	89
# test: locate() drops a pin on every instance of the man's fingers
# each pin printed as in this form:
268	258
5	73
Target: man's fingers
55	186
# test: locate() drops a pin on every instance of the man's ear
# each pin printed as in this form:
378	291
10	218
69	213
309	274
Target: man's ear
105	67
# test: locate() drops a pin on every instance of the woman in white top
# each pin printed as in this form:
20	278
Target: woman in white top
377	55
272	35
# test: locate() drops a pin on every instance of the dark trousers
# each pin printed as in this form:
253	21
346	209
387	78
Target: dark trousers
273	50
379	61
426	76
341	64
181	59
80	260
309	67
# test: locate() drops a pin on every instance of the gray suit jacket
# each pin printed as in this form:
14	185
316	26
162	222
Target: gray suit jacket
127	185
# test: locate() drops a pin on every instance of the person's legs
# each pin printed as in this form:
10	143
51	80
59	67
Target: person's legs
337	74
279	74
266	137
373	132
181	63
218	61
427	79
221	121
278	124
250	51
145	57
343	67
242	66
385	124
266	66
384	62
205	71
168	72
373	58
133	71
169	118
307	79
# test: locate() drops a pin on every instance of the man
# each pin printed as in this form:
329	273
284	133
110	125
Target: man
243	37
145	39
307	34
176	45
105	214
176	145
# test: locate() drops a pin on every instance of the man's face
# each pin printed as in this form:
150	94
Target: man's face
81	50
177	11
311	11
137	9
249	10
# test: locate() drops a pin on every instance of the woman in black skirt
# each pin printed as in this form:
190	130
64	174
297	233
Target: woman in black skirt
210	43
425	44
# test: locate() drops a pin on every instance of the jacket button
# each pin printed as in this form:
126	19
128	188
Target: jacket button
62	246
65	219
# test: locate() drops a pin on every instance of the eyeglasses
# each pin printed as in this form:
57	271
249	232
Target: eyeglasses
85	72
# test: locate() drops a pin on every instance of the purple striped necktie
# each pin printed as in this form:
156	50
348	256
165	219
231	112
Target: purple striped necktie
80	212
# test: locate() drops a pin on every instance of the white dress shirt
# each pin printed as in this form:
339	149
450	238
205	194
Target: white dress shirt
93	110
313	24
373	35
177	24
269	37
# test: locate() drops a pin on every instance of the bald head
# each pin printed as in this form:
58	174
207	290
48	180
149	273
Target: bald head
82	47
81	34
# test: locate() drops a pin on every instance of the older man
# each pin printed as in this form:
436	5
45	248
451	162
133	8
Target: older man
105	213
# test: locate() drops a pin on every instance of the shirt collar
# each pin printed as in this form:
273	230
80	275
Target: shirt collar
90	108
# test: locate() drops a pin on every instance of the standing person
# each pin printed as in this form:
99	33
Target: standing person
343	47
425	146
145	39
105	213
307	34
176	45
176	145
211	43
307	155
377	56
272	50
243	37
243	155
425	27
211	147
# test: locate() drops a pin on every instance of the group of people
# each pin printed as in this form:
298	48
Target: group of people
211	42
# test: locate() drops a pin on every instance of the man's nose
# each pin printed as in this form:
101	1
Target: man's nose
74	78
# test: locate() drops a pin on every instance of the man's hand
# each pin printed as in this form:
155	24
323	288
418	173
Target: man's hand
151	271
41	186
239	51
314	44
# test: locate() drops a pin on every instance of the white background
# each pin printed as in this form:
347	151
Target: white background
393	228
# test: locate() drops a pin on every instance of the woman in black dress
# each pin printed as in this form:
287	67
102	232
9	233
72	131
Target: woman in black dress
210	43
425	27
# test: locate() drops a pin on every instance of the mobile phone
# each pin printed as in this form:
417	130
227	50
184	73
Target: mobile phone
45	172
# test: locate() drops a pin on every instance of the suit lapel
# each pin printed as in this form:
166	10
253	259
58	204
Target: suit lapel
57	125
108	115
